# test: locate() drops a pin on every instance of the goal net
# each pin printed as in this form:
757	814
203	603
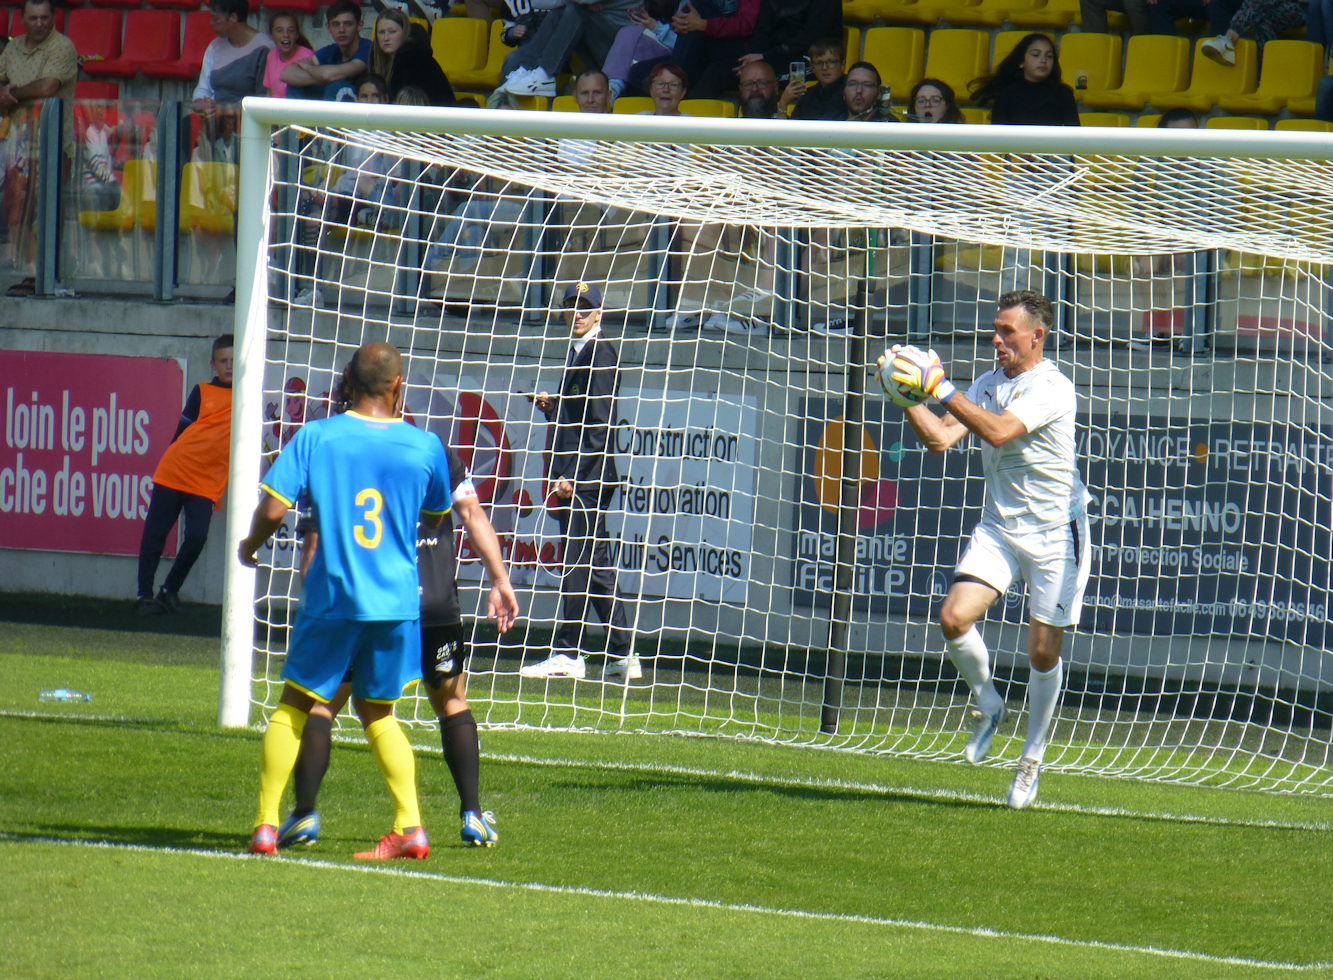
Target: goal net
781	542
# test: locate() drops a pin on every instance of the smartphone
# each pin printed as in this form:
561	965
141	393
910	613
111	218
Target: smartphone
797	69
885	102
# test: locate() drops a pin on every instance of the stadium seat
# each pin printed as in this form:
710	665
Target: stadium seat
851	43
991	13
865	11
1006	41
186	5
630	104
95	33
977	117
152	37
1090	62
97	90
1301	107
1148	120
564	103
137	175
299	6
459	44
1304	126
956	57
533	103
1057	14
488	75
1155	63
1236	122
900	55
1291	70
718	108
116	3
1118	119
928	13
1211	82
198	35
208	198
16	28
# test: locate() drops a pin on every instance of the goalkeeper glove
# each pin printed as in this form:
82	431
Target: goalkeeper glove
924	372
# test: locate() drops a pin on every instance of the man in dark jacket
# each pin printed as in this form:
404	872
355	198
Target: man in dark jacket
582	479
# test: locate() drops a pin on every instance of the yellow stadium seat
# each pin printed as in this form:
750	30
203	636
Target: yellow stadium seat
537	103
957	57
1148	120
1090	62
1291	70
1006	41
1301	107
992	13
851	43
123	216
459	45
631	104
1211	82
488	75
564	103
927	13
1118	119
977	117
708	107
1236	122
900	55
1304	126
865	11
208	198
1155	63
1057	14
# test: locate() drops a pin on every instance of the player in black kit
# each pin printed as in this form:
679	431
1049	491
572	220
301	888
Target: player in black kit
444	654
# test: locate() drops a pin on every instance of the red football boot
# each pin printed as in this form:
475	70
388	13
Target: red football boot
393	845
265	840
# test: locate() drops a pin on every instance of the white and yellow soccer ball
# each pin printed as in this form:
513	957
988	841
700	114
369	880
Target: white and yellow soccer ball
902	393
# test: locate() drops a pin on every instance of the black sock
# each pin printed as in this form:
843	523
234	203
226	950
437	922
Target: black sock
462	753
312	763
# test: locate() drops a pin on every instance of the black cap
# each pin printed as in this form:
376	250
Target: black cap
584	292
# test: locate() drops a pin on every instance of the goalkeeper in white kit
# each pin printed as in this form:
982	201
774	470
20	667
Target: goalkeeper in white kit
1034	523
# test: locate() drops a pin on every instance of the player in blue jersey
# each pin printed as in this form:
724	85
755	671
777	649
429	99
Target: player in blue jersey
369	476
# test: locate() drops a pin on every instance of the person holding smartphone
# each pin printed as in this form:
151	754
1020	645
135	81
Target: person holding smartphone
828	63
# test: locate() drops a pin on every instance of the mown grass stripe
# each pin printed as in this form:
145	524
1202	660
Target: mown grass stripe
704	903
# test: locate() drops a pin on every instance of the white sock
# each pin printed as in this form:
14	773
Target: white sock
1043	696
969	654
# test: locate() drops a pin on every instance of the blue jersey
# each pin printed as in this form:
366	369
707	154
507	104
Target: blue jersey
367	479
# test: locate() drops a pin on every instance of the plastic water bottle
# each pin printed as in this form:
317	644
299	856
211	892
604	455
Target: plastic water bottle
62	694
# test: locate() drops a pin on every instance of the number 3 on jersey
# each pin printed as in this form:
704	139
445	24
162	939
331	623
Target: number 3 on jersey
372	497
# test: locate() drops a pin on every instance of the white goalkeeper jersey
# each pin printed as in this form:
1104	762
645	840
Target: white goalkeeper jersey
1032	482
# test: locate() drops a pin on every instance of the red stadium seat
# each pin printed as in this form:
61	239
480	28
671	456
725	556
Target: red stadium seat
198	35
95	33
116	3
97	90
176	4
299	6
152	37
16	28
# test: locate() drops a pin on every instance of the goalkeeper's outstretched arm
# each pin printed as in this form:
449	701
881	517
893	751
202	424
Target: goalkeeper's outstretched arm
925	372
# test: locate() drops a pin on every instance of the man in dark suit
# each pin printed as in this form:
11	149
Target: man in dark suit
582	479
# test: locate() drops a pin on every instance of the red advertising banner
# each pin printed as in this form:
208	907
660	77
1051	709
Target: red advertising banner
83	434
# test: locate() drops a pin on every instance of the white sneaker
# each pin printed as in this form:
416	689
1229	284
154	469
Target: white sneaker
749	326
683	320
556	665
833	327
1219	49
624	669
537	82
513	78
1023	790
984	727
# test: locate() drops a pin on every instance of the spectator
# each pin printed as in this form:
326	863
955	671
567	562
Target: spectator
1162	14
828	61
666	87
100	190
860	96
1262	20
932	101
289	45
589	27
713	35
1319	24
592	91
648	41
1025	88
1093	15
785	27
401	55
411	95
1179	119
523	20
759	91
235	61
190	477
328	75
1323	99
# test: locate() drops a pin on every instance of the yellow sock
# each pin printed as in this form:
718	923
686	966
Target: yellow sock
399	769
282	742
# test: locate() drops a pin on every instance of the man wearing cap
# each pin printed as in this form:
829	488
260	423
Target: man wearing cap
583	477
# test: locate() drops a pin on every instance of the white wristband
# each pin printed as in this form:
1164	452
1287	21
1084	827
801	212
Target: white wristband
944	391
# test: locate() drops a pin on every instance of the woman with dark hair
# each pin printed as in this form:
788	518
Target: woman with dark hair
666	87
932	101
401	55
1025	88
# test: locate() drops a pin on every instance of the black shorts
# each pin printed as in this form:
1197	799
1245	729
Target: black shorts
443	654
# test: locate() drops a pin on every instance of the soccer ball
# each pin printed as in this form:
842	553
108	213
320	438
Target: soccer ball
904	396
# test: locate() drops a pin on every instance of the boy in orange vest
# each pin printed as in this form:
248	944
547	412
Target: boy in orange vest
190	477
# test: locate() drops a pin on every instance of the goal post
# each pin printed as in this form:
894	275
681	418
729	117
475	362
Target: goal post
780	540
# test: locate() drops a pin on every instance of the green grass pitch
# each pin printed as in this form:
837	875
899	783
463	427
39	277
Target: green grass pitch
619	857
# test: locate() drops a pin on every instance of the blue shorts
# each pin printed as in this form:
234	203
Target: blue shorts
385	656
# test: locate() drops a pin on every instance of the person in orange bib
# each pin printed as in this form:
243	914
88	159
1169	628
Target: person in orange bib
190	477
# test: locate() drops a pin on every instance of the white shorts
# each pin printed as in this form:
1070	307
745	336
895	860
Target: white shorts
1054	563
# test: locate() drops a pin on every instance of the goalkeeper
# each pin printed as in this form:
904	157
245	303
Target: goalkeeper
1033	525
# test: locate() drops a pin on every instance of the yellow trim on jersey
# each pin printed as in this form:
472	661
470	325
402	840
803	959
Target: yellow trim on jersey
439	513
369	418
305	691
380	700
273	493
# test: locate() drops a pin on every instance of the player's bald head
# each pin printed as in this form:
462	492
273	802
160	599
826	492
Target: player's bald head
374	368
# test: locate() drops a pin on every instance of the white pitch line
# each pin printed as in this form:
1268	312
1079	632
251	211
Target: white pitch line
704	903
